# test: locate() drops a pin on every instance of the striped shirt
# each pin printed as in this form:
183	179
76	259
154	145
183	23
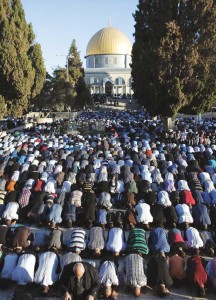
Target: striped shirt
2	196
77	241
137	242
87	186
134	266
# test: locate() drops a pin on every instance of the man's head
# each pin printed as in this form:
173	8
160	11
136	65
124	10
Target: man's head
79	270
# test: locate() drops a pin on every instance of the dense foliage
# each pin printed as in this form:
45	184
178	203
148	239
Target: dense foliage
22	70
66	89
76	76
174	56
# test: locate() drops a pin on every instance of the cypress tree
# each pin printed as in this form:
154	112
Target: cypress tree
174	55
36	57
76	76
19	67
74	64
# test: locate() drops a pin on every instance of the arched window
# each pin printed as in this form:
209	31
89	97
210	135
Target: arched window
94	80
119	81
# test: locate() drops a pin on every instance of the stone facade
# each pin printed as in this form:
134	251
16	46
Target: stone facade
100	80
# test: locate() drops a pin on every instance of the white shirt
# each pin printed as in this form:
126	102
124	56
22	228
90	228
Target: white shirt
25	167
208	186
204	176
30	157
46	273
24	271
169	176
10	212
163	199
116	241
146	176
120	186
50	186
144	215
193	238
183	185
58	169
183	212
103	177
107	274
15	176
66	187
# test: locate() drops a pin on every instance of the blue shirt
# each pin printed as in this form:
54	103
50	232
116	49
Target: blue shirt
158	238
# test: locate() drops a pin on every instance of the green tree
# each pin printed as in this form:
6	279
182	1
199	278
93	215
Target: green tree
83	96
22	70
76	76
62	95
36	57
174	56
3	108
74	64
44	99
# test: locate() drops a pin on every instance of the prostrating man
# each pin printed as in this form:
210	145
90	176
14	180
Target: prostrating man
80	281
135	277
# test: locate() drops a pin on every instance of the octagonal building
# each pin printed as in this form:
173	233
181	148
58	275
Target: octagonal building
108	58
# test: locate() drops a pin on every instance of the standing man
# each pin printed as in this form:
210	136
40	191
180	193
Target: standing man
80	281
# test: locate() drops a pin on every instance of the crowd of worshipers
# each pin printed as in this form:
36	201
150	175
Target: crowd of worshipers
135	193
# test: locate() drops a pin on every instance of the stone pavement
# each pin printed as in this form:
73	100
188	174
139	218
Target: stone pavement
176	294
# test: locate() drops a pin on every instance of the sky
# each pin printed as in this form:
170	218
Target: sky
57	22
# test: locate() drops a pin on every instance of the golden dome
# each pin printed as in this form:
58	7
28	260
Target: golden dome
109	40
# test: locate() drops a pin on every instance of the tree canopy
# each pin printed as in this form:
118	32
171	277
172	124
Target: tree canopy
22	70
66	88
62	95
174	56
